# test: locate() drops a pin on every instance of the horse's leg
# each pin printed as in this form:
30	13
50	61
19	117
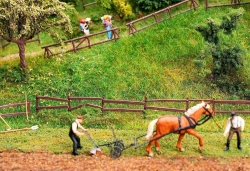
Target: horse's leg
201	143
148	149
181	136
157	146
152	141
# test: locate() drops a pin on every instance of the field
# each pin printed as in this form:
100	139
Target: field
129	69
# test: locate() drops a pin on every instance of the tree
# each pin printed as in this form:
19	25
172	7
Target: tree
227	55
21	20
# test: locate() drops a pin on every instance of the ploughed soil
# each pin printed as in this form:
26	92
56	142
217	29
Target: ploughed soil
43	161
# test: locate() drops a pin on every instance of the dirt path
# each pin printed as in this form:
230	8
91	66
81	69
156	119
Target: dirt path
39	161
16	55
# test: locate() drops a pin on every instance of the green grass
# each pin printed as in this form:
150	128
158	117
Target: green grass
57	141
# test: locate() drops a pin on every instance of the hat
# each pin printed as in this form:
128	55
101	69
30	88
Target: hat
233	114
87	19
82	21
79	117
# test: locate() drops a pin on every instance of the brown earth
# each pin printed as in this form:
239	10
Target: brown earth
43	161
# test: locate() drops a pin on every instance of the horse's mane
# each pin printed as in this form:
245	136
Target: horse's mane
195	108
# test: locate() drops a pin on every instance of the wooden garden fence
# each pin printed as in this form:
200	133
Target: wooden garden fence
160	15
77	43
27	109
89	4
233	3
134	106
139	106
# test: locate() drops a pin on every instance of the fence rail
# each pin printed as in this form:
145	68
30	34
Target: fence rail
86	5
140	106
233	3
27	108
77	43
158	18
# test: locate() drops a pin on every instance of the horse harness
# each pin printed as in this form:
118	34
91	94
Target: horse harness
193	124
189	119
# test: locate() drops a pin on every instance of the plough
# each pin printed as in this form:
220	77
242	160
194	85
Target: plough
116	147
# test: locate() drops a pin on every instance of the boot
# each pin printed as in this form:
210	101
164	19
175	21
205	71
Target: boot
79	146
238	145
227	146
75	152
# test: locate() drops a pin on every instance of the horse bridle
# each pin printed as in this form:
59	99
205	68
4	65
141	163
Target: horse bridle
205	118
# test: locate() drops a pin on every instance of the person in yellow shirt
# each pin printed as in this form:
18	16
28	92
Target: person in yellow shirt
235	124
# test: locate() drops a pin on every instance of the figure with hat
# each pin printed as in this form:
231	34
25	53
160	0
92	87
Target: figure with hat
84	25
74	134
235	124
106	21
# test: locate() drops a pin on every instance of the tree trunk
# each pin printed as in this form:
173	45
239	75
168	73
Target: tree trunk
21	46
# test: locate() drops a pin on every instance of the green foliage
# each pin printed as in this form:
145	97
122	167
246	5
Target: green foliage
150	5
13	74
71	2
123	8
227	57
21	21
229	22
107	4
25	19
210	31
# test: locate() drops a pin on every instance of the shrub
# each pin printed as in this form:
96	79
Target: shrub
123	8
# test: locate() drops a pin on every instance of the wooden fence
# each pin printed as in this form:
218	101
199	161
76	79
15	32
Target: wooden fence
140	106
233	3
77	43
160	15
27	109
89	4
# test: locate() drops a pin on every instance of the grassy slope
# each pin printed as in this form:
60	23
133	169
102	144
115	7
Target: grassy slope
156	62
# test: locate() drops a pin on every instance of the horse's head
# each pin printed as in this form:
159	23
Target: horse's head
208	110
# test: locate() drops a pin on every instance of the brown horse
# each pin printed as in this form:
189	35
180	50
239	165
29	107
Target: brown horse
179	125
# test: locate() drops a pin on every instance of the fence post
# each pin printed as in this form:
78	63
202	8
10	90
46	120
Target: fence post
69	104
102	104
187	104
37	104
145	104
214	107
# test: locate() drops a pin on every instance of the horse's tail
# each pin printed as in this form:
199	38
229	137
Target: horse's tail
151	128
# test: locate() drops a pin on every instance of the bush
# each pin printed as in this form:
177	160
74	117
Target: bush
71	2
123	9
150	5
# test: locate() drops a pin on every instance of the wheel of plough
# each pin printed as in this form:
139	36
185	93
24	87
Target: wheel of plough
115	152
120	144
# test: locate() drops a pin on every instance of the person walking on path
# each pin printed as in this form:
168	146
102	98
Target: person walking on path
74	134
235	124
